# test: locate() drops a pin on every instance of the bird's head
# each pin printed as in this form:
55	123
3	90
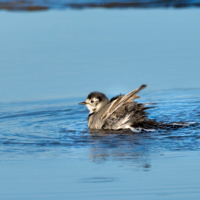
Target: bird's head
95	101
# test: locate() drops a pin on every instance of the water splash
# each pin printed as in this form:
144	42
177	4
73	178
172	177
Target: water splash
59	129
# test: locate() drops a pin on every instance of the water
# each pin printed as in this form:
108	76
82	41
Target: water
55	128
60	54
49	142
51	60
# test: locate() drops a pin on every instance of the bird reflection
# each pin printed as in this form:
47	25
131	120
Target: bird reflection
120	146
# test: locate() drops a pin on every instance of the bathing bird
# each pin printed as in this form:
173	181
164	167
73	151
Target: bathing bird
120	112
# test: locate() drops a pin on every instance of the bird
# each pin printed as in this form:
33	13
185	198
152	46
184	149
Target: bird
121	112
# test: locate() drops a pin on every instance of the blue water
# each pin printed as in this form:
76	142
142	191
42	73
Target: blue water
60	54
53	128
47	152
51	60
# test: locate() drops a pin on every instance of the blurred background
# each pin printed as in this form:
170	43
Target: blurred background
71	48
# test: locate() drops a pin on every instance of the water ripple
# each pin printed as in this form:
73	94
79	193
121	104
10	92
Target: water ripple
54	128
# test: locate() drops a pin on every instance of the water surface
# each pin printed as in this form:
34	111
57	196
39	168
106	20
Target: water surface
47	152
51	60
59	54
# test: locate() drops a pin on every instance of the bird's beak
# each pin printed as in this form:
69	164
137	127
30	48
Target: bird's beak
83	103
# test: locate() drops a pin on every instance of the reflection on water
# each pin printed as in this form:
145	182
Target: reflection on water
59	129
80	4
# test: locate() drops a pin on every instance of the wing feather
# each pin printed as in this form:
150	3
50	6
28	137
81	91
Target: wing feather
120	101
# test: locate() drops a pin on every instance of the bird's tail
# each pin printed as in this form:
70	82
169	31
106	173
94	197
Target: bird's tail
150	125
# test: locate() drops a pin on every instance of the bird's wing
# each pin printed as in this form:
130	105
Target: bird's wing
120	101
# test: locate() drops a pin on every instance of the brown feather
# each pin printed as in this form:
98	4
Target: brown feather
121	100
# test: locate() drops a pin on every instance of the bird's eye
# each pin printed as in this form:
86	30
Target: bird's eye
92	101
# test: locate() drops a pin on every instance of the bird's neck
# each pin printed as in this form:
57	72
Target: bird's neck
89	119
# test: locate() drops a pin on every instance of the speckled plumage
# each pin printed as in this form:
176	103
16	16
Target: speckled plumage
120	112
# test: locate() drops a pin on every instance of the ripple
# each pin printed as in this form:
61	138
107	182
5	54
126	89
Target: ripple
97	180
55	127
